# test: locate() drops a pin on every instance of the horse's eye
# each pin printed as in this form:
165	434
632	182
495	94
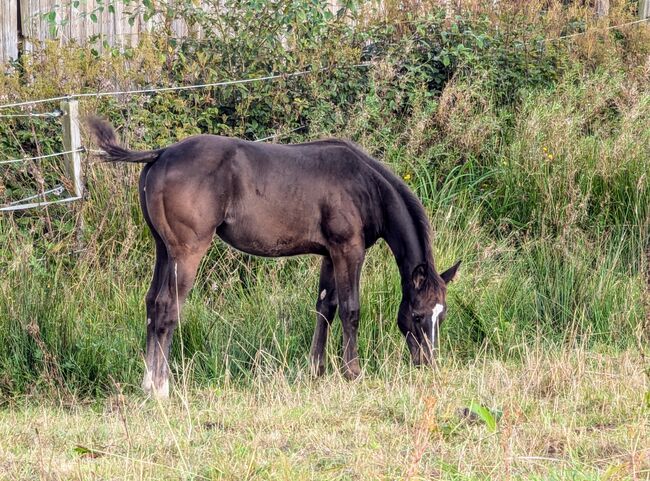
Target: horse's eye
418	319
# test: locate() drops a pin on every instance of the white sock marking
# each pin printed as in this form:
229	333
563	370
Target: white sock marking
147	381
163	392
436	311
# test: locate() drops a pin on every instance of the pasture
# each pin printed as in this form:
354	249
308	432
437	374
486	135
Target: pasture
523	129
564	415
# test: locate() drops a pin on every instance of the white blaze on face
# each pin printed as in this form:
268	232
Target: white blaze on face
436	311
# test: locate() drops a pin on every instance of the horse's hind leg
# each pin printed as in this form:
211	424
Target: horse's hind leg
160	268
325	312
184	211
176	282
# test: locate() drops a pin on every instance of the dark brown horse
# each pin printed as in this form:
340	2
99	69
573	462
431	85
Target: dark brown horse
326	197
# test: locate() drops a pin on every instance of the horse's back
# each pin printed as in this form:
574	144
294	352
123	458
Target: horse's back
269	199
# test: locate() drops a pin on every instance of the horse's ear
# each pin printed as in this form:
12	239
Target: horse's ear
450	273
419	277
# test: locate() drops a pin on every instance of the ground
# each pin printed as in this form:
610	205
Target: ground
562	414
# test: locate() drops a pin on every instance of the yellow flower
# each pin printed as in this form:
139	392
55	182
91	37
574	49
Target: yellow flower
407	177
544	149
550	156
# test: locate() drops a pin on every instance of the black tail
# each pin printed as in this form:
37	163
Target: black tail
105	135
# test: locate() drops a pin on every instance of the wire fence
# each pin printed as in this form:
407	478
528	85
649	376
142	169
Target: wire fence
593	30
58	190
176	88
39	157
53	115
21	205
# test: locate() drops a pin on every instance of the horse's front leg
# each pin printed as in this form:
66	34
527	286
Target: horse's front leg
347	272
325	312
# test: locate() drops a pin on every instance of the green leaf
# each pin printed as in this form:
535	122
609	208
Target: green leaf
93	18
484	414
85	452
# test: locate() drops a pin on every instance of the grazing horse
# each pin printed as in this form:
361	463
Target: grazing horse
326	197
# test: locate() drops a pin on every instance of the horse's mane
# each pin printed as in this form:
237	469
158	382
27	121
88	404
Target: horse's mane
413	204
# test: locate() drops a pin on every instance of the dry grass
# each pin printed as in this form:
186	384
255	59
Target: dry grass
570	414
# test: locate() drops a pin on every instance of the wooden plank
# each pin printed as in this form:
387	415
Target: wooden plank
74	22
26	25
8	30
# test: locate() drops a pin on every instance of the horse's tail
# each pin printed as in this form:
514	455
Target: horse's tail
114	152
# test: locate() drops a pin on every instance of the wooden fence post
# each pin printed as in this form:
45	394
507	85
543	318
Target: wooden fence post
644	9
72	143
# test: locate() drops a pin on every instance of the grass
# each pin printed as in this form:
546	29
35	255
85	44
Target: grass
566	414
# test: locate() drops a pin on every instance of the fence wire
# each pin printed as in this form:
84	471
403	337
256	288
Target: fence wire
38	204
592	30
178	87
39	157
54	114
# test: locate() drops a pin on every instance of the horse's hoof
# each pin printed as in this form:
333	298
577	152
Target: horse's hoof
147	382
317	370
352	373
150	389
161	392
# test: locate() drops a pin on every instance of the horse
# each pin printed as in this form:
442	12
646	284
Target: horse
326	197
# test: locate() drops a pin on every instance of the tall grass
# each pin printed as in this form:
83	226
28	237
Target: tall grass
544	198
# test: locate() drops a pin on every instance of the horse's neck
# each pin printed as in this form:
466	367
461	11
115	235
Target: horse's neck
402	238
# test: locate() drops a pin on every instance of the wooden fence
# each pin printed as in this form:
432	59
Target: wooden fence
25	23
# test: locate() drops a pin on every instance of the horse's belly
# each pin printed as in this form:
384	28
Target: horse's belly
266	238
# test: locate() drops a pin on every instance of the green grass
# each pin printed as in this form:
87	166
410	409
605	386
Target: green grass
90	317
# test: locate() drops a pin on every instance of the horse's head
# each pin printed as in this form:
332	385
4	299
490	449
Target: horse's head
423	308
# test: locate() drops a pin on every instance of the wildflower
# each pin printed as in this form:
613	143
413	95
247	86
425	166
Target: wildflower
407	177
550	156
544	149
